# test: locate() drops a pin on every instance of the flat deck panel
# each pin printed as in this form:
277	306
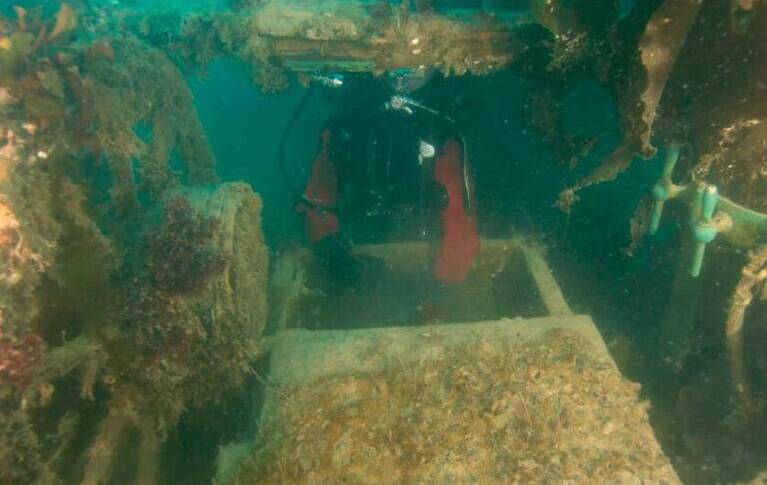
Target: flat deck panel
303	356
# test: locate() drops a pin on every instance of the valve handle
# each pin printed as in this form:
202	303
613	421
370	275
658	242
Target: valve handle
704	231
697	259
672	156
710	198
661	192
660	195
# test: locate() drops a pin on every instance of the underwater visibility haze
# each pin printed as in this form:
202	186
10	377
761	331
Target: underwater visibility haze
383	241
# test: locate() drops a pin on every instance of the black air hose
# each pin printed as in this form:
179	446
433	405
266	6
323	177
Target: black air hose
296	191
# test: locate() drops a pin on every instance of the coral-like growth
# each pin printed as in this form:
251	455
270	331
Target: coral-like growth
181	257
189	317
20	447
20	362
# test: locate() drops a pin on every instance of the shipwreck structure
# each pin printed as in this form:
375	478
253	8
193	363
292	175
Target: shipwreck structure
134	284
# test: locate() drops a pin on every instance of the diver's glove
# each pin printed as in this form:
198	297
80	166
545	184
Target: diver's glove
336	257
345	269
371	270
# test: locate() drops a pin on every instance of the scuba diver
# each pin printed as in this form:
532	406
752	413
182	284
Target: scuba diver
389	168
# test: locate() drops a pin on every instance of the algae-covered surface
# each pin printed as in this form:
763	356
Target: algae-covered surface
490	411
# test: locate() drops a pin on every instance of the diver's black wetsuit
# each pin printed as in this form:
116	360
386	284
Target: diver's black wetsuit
387	176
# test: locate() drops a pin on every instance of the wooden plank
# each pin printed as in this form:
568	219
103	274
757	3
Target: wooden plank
303	37
350	56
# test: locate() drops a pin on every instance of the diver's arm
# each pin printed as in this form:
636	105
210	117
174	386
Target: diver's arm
320	204
320	196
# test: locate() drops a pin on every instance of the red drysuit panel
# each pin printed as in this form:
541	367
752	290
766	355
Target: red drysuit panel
460	239
322	190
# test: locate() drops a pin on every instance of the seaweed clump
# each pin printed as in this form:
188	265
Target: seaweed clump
140	109
185	333
20	362
181	259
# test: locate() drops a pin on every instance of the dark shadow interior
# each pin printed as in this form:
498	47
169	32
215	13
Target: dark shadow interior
409	295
